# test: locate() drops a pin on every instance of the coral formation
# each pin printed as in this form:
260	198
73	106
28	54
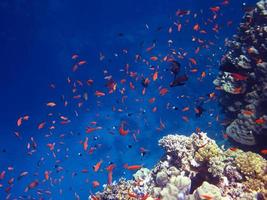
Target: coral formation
243	78
195	168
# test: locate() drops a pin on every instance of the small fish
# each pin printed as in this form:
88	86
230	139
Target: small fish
122	131
132	167
90	129
196	27
22	174
110	169
264	151
260	121
85	144
215	9
41	125
233	148
247	112
152	100
163	91
97	165
32	185
193	61
99	93
154	58
95	184
46	175
155	76
51	104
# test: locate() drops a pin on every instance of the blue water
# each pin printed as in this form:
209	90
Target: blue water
38	39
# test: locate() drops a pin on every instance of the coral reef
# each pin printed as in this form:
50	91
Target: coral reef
195	168
243	78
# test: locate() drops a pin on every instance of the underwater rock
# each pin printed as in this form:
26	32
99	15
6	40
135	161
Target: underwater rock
242	79
215	173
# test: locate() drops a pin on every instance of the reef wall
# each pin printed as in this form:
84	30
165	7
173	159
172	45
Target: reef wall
194	168
243	78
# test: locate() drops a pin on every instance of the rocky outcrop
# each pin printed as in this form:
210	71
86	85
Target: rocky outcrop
243	78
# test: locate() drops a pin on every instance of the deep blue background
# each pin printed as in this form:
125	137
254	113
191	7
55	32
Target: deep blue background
37	40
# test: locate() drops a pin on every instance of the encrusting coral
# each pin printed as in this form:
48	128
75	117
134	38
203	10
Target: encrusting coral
194	168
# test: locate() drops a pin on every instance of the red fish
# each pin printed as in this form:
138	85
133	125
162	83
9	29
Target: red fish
122	131
95	184
260	121
154	58
155	76
215	9
97	166
193	61
264	151
132	167
41	125
163	91
89	129
32	185
46	175
152	100
85	144
110	172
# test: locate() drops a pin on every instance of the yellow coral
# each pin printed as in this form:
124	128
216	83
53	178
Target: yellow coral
254	185
208	151
250	164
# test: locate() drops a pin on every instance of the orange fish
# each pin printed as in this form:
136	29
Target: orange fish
51	146
85	144
131	85
74	56
215	9
41	125
110	172
97	166
155	76
193	70
247	112
132	167
163	91
193	61
82	62
19	121
154	58
89	129
185	118
51	104
185	109
260	121
203	75
122	131
46	175
99	93
95	184
196	27
154	109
